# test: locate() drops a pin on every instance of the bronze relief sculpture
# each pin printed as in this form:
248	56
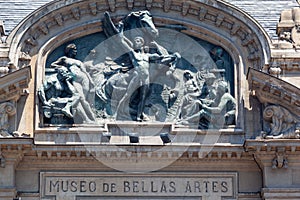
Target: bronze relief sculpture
138	72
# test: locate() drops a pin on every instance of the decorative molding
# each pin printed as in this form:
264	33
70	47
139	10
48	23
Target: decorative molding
270	89
7	110
93	8
142	156
43	28
280	160
280	123
271	146
220	18
167	5
13	85
282	104
202	13
274	154
206	13
185	8
280	193
288	29
76	13
149	4
130	4
112	5
2	29
59	19
185	151
2	160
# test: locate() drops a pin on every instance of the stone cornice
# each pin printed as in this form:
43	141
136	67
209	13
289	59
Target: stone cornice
274	154
190	151
194	151
281	193
271	145
13	84
53	18
270	89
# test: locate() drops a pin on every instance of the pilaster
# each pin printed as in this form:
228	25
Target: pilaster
279	162
11	153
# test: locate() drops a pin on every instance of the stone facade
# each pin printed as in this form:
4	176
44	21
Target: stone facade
45	157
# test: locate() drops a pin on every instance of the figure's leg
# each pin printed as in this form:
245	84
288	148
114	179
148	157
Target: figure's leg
144	89
79	88
193	117
88	110
67	110
132	86
82	116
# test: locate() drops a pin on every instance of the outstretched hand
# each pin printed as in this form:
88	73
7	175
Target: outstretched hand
177	55
121	29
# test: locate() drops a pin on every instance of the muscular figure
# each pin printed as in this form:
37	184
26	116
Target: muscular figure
222	113
141	62
58	93
82	81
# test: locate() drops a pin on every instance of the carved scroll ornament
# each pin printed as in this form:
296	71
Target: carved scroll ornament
280	123
281	100
6	110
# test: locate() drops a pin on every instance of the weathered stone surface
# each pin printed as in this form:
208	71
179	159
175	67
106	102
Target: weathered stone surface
235	161
71	185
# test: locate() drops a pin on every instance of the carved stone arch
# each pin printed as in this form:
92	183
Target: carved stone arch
214	21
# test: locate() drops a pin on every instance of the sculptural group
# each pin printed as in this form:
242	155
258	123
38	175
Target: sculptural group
138	80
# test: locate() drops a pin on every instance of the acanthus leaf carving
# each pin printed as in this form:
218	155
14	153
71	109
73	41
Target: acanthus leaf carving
281	112
7	110
280	123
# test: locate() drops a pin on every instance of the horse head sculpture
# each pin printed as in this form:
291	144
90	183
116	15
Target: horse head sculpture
136	24
142	21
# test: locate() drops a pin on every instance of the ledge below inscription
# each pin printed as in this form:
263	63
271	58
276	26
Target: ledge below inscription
72	185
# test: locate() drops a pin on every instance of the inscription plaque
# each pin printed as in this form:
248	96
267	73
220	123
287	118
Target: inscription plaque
73	185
